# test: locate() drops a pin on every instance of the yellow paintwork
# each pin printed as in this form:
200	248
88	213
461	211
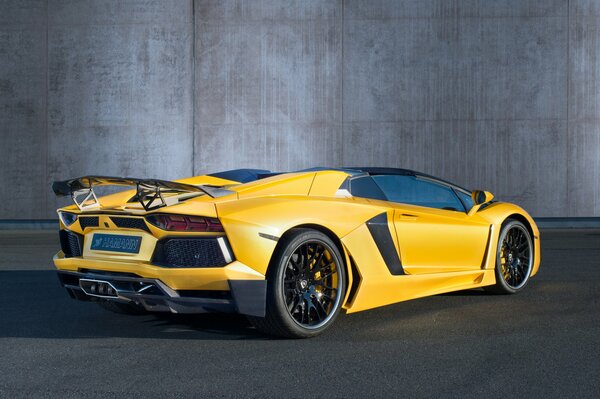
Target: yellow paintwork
440	250
176	278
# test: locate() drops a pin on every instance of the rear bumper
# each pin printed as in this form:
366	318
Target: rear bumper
244	296
235	288
210	278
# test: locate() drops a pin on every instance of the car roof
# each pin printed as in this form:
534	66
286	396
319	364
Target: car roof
374	171
249	175
386	171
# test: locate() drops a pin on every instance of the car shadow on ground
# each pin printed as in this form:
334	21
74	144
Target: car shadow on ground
33	304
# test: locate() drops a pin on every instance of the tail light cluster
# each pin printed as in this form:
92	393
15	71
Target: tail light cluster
67	218
185	223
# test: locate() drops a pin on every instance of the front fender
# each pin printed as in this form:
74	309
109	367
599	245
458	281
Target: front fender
497	213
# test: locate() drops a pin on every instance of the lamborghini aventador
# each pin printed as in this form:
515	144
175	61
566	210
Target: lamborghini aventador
288	250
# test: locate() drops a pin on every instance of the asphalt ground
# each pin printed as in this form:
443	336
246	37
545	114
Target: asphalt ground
543	342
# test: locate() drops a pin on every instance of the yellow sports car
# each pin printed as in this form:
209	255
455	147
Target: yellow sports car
289	250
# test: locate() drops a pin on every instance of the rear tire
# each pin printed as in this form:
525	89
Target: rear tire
122	308
306	284
514	258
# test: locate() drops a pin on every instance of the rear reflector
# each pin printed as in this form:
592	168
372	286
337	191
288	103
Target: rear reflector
185	223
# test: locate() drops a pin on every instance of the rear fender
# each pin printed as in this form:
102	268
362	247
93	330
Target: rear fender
255	225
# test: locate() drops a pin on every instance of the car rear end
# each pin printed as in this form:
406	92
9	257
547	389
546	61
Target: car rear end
160	261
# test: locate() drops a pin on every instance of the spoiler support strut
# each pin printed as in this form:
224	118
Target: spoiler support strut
147	195
88	195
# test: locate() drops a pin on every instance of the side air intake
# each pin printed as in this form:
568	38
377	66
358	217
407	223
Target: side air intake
71	243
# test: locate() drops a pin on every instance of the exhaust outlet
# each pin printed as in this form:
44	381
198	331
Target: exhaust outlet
98	288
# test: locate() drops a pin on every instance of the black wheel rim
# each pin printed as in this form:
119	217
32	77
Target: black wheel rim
311	284
516	257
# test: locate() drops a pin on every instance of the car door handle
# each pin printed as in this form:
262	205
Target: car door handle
408	216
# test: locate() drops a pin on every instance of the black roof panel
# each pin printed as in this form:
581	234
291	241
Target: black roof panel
249	175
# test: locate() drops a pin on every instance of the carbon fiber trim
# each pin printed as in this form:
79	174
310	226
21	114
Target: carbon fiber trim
244	297
378	227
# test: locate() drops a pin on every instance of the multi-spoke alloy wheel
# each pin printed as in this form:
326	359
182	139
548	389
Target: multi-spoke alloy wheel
311	284
306	283
514	259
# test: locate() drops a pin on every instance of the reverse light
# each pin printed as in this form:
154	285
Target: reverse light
185	223
67	218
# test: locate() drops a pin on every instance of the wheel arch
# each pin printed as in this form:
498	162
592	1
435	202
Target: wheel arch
522	219
351	274
535	238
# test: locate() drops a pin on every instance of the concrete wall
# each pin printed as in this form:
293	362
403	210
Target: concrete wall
23	105
502	95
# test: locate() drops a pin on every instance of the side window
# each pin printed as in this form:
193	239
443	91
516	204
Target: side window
365	187
412	190
466	199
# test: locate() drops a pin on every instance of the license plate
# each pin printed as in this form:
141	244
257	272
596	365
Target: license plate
116	243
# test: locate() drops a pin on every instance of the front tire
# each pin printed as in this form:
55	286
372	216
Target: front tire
514	258
306	284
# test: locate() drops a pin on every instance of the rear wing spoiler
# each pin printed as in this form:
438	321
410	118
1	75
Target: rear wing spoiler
150	193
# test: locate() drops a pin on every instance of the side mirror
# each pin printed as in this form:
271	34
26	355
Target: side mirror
481	197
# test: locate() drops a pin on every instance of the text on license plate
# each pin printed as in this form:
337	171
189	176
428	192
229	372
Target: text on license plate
116	243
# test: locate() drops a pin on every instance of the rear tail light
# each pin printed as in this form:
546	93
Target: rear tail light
185	223
67	218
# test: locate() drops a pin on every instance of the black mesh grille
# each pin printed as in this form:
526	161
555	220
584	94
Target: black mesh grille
70	243
189	252
130	223
88	221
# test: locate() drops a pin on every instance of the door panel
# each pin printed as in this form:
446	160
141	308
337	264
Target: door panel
436	240
434	232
